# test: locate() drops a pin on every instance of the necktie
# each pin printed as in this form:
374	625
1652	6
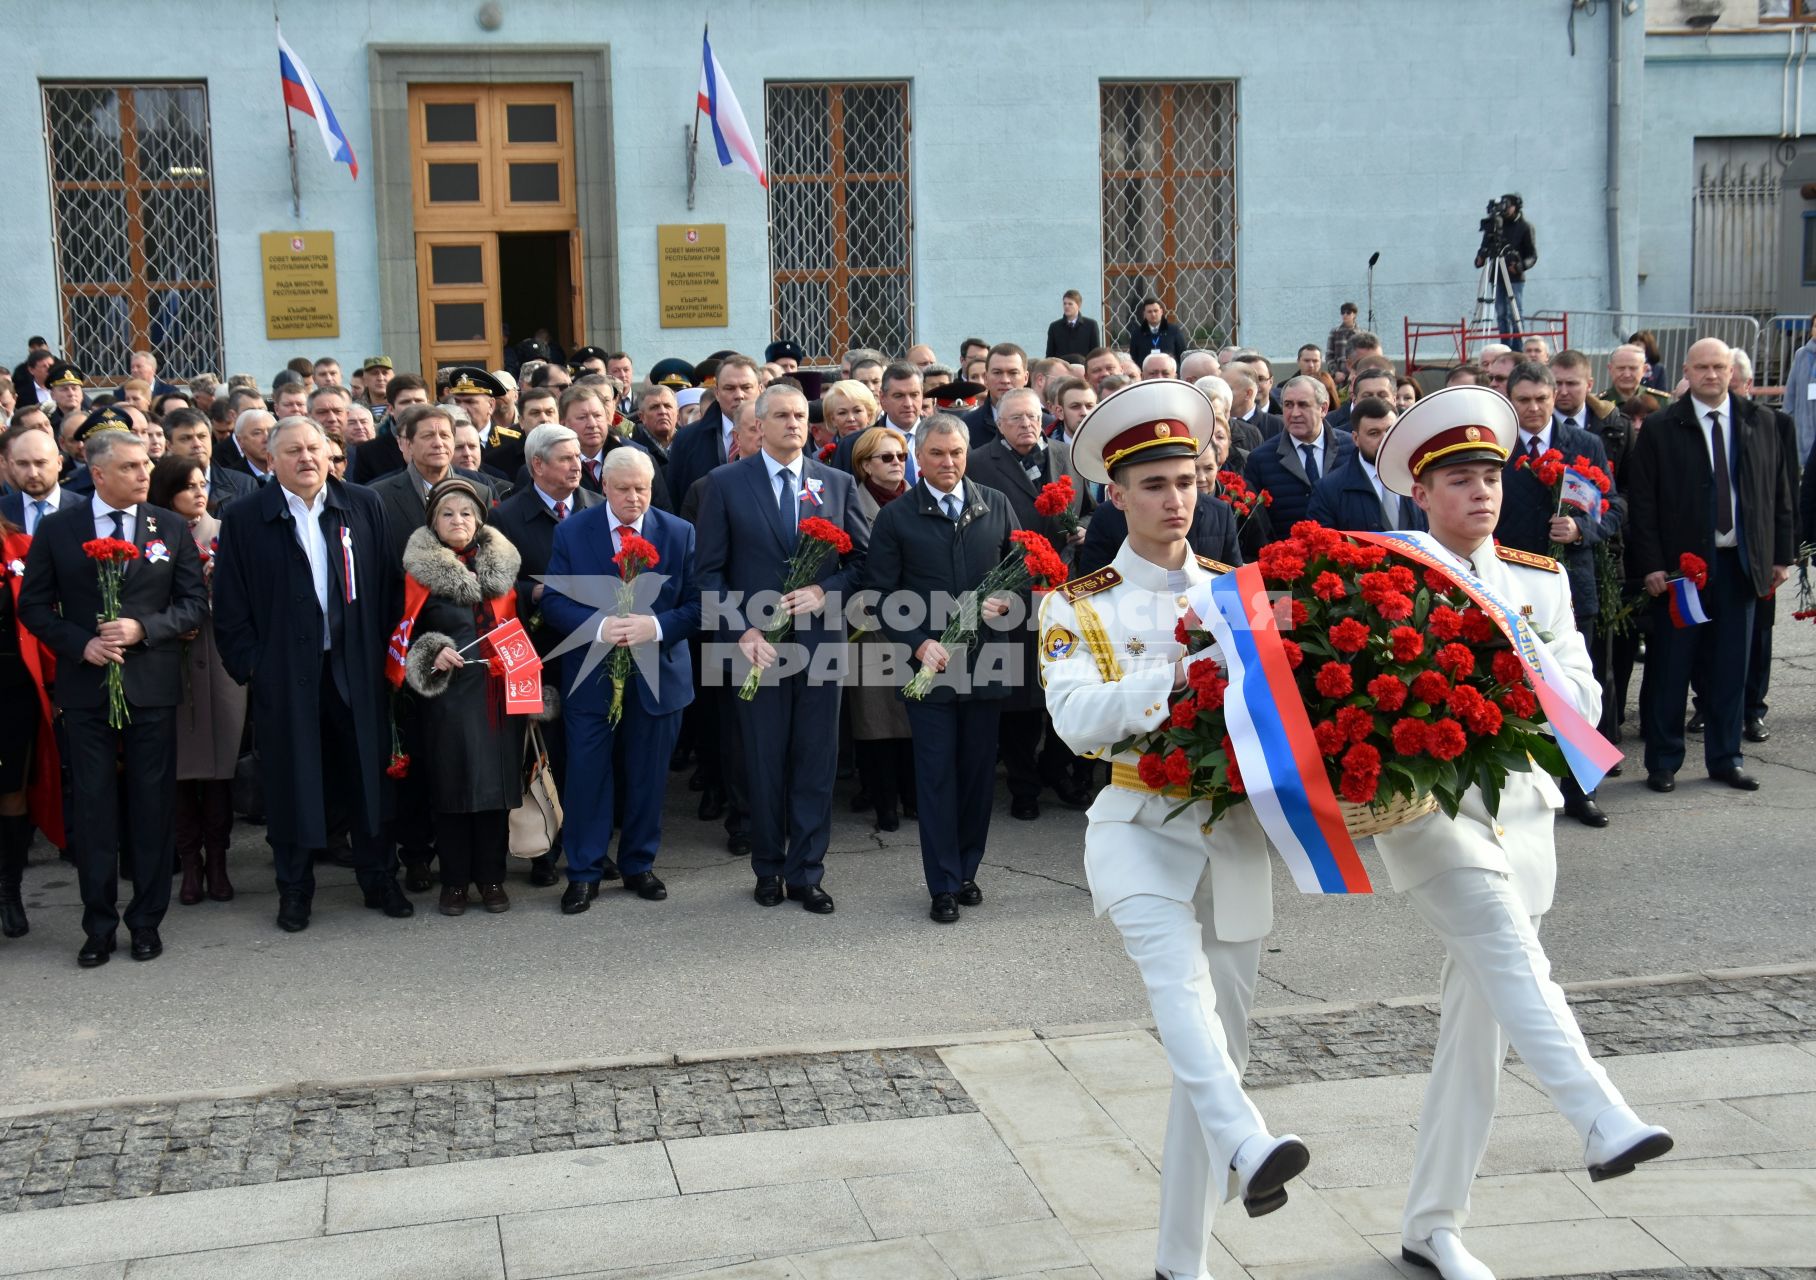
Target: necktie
560	512
592	469
785	499
1310	454
1724	493
620	531
119	523
1390	511
1532	451
40	508
1570	424
950	503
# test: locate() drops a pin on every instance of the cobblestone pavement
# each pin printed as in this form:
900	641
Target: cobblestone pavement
80	1157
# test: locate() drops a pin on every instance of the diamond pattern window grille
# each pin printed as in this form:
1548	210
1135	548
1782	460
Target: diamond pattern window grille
1169	205
840	225
133	209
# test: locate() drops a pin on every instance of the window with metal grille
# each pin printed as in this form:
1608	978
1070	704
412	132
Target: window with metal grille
1169	205
133	212
840	228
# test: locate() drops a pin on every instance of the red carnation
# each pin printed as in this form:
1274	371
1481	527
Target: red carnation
1294	654
1152	770
634	555
1377	586
1508	669
822	530
1695	568
1458	659
1210	698
1181	636
1300	614
1283	561
1330	738
1463	699
1328	586
399	766
1408	644
1445	739
1485	719
1178	768
1445	623
1334	680
1389	692
1431	687
1439	581
1478	627
1054	498
1404	582
1349	635
1235	773
1394	607
1409	736
1520	701
1355	722
1361	774
1183	713
1203	674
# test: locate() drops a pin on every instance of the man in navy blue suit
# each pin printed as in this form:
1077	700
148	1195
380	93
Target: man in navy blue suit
750	515
1291	464
661	680
1352	495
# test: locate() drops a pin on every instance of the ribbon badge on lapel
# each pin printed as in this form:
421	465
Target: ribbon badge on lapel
347	563
16	568
811	493
156	552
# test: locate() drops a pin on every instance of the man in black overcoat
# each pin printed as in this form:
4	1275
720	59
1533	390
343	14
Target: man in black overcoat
306	594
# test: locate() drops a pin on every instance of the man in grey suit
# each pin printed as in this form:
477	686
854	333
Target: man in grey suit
31	451
425	434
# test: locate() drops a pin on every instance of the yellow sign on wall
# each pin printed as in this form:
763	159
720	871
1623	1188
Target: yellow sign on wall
301	299
690	269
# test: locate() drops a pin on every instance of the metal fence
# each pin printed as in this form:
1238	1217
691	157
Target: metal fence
840	226
1168	154
1779	338
1734	253
133	213
1597	333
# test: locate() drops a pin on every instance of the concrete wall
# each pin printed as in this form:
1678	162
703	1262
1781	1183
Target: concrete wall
1379	126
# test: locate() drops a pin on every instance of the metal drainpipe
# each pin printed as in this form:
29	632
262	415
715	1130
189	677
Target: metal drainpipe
1801	59
1617	282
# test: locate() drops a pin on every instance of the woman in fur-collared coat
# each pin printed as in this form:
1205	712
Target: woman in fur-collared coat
471	751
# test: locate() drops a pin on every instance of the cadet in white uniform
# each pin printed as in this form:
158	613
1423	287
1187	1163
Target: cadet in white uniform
1192	906
1482	882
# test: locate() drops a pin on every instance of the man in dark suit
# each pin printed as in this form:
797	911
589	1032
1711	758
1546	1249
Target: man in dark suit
1153	330
1376	383
620	771
31	453
1005	368
589	412
1705	477
306	595
1018	465
657	417
162	598
425	433
936	542
701	446
750	515
1352	495
1072	336
1251	425
1765	612
187	435
31	379
1291	464
528	519
381	455
1531	519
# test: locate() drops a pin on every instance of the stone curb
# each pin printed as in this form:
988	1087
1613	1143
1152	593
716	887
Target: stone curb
697	1057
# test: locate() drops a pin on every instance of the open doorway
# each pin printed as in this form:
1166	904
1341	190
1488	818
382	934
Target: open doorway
535	286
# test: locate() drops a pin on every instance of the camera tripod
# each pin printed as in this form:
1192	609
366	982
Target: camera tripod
1494	276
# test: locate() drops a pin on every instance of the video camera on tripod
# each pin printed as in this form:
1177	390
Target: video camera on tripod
1494	227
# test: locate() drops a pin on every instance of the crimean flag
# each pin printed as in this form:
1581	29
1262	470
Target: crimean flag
302	93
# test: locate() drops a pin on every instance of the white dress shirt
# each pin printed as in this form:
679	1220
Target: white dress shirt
306	518
1726	413
104	525
52	501
635	527
1543	439
939	495
776	469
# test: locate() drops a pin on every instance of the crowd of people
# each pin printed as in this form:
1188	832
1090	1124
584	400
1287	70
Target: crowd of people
298	630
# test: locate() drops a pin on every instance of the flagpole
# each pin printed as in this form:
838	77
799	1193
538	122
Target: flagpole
693	145
296	190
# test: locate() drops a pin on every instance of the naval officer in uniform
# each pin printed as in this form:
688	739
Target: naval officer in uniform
1192	906
1482	881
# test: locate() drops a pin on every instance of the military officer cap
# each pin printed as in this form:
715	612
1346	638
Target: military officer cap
783	349
376	362
706	373
1143	422
1456	425
530	349
107	419
677	375
464	380
956	392
63	375
578	360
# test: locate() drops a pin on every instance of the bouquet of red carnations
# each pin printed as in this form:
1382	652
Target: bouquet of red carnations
819	538
1031	560
1412	692
1055	502
634	555
111	556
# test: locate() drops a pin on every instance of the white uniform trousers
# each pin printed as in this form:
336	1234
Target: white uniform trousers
1201	991
1496	987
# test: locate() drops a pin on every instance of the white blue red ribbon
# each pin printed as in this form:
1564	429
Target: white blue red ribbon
1685	603
347	563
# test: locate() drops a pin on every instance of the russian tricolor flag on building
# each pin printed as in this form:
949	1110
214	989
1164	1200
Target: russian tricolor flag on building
302	93
731	135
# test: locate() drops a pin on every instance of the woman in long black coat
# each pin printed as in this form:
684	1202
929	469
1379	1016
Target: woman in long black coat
472	751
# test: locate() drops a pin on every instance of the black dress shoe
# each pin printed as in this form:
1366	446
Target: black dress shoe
1587	812
390	899
737	844
1739	779
1614	771
969	895
768	891
1756	731
1074	797
696	781
417	878
944	909
1659	780
146	945
1696	723
712	805
888	820
812	898
579	897
95	952
542	871
608	870
647	886
1026	810
293	913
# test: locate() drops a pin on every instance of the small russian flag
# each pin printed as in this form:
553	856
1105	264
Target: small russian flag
732	138
1685	602
302	93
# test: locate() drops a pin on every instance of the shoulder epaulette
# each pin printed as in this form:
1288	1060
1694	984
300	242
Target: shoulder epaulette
1532	560
512	432
1089	585
1215	566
